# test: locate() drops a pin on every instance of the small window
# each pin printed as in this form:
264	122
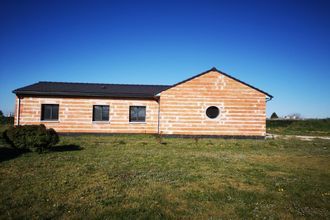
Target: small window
137	113
212	112
100	113
49	112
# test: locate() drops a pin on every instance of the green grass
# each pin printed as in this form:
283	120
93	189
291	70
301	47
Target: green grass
3	128
314	127
135	176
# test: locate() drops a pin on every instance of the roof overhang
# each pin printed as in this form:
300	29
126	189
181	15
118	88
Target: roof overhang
81	94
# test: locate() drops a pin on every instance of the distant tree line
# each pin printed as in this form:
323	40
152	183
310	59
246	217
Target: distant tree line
293	116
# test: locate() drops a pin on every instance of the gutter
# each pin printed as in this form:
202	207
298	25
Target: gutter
269	98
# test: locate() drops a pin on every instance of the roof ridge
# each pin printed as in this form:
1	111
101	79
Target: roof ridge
117	84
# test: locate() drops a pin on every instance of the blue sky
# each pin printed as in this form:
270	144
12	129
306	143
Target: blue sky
282	47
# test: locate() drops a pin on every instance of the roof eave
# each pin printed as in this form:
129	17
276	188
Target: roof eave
252	87
70	94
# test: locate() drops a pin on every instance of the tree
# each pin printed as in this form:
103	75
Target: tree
274	116
2	117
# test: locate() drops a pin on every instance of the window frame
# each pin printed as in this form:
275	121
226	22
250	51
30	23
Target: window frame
130	119
93	114
42	113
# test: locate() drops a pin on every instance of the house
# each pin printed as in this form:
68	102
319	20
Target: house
210	103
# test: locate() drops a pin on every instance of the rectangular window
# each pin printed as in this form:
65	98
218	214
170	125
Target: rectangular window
100	113
49	112
137	114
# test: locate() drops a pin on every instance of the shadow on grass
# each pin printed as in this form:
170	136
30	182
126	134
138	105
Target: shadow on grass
7	153
69	147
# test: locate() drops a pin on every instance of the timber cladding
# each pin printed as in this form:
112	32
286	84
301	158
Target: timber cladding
183	109
75	115
242	109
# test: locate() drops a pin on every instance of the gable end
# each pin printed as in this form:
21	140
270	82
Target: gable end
225	74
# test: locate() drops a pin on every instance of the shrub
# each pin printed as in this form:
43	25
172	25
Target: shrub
31	137
53	136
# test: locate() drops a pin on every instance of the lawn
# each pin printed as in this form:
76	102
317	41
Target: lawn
136	176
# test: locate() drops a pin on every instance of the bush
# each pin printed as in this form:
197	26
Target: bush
52	134
31	137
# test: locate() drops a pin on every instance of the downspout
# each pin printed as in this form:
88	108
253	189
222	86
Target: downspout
267	100
19	110
158	119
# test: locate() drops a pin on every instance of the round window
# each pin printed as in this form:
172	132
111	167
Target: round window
212	112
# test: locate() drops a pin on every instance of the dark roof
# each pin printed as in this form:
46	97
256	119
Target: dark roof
91	89
108	90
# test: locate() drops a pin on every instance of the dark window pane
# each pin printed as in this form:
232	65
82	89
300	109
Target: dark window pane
212	112
105	113
137	114
49	112
141	114
100	113
96	113
55	112
133	112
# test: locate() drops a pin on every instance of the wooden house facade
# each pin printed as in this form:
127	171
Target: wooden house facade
212	103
